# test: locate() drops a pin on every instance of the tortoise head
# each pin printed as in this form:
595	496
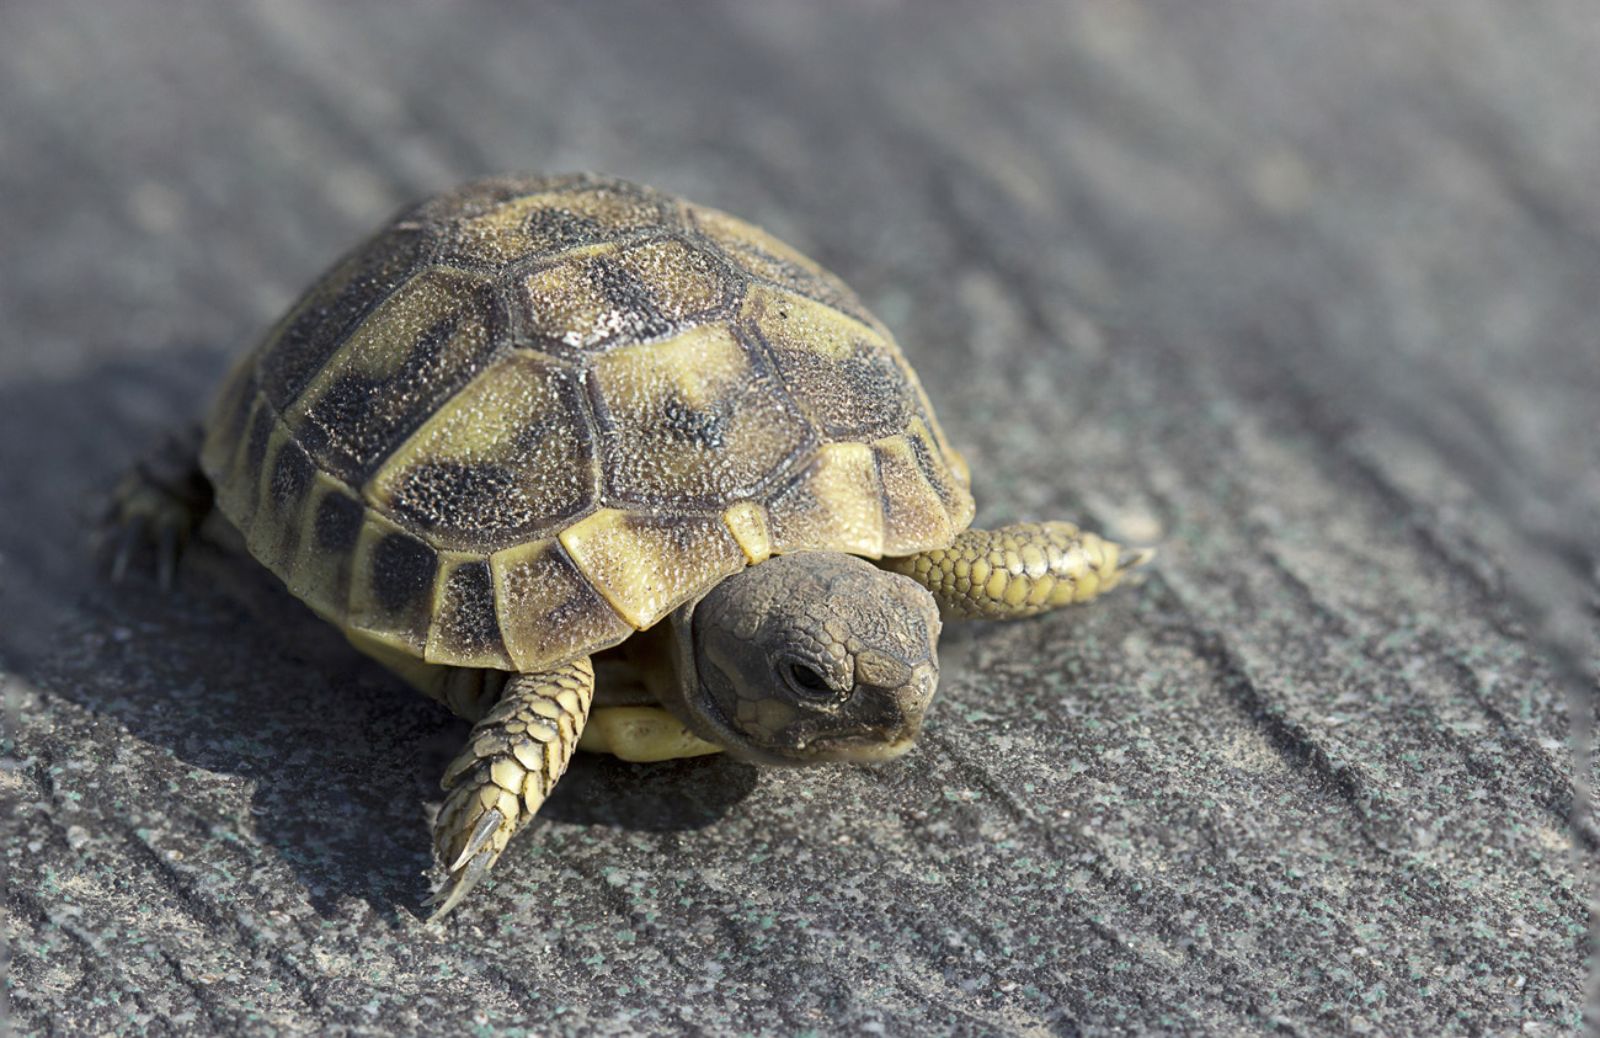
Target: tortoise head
805	658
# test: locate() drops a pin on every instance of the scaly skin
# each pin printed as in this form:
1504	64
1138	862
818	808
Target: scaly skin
511	762
1019	570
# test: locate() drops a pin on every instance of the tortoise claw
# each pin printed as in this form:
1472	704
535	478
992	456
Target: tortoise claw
490	821
1134	558
451	895
129	536
516	752
470	866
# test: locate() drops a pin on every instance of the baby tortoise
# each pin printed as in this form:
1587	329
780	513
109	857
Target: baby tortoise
534	419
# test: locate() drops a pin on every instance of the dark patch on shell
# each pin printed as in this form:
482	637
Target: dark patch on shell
402	572
467	626
291	479
338	522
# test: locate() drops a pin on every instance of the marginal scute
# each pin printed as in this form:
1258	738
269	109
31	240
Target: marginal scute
959	469
229	418
548	612
239	483
466	629
836	504
914	518
508	459
339	514
394	371
692	422
290	480
646	565
949	484
747	521
392	584
330	527
283	483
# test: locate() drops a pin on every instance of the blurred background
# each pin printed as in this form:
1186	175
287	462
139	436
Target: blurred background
1305	294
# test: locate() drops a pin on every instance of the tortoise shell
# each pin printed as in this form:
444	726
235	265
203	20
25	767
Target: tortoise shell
533	415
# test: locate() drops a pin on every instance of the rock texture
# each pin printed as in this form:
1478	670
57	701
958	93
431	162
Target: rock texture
1306	296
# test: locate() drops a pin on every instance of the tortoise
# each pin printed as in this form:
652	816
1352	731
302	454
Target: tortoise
541	434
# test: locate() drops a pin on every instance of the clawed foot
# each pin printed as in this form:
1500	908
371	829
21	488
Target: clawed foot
156	509
512	760
474	825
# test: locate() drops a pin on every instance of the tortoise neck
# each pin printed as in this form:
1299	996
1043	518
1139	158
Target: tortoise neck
676	680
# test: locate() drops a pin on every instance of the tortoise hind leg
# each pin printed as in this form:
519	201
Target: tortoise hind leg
512	760
158	505
1019	570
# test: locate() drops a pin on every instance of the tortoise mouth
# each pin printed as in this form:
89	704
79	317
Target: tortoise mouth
862	744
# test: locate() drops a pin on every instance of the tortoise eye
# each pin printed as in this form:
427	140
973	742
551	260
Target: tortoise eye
807	682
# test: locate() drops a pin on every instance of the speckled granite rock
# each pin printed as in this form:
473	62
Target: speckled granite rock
1306	296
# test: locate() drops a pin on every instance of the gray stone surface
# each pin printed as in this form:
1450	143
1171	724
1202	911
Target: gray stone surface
1307	293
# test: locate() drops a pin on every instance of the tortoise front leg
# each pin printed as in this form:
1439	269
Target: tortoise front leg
511	762
1019	570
